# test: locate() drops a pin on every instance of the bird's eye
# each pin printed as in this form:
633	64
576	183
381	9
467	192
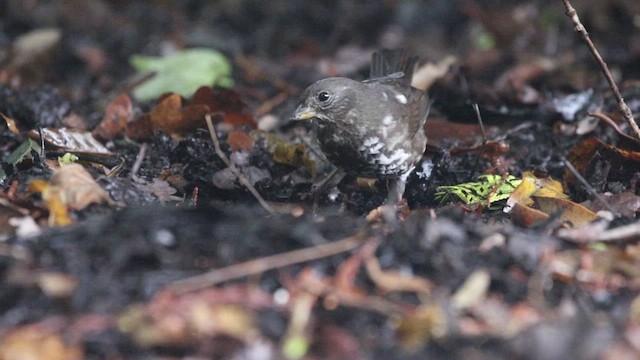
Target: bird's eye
324	96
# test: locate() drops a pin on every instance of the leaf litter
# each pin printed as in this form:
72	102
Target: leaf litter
149	204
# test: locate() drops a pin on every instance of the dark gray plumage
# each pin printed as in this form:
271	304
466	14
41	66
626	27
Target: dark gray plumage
373	128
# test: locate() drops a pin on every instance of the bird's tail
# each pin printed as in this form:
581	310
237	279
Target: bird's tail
386	62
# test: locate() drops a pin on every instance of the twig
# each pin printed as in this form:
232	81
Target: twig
580	29
610	122
243	180
588	186
268	105
625	232
138	162
263	264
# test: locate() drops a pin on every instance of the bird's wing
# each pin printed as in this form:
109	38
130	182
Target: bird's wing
419	105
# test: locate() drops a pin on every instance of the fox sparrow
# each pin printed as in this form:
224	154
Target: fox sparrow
373	128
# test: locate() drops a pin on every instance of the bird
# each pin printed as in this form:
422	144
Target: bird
372	128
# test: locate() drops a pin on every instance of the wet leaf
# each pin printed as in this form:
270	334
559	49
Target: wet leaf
534	185
57	285
575	215
67	159
117	115
167	114
239	140
416	328
227	102
293	155
69	140
183	72
11	123
35	342
70	187
623	163
472	291
626	203
24	151
477	192
526	216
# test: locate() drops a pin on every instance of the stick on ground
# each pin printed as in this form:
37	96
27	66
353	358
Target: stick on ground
580	29
243	180
263	264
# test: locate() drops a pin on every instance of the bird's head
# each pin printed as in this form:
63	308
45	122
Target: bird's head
327	100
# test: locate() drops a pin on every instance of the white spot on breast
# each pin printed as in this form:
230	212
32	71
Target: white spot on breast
401	98
397	158
376	148
388	120
385	96
370	141
336	138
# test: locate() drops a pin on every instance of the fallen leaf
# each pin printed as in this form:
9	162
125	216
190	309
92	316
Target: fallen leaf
167	114
239	140
37	342
183	72
472	291
70	140
117	115
70	187
526	216
227	102
573	214
416	328
293	155
624	163
140	128
534	185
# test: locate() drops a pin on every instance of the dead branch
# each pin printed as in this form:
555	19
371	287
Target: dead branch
263	264
580	29
243	180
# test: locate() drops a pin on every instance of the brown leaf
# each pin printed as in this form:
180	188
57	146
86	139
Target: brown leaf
626	203
167	114
575	215
239	140
227	102
70	187
525	216
37	342
623	163
70	140
140	128
117	115
193	116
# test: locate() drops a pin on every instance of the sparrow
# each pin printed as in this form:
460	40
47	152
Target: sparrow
373	128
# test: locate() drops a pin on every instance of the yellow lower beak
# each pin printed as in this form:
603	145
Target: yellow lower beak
303	113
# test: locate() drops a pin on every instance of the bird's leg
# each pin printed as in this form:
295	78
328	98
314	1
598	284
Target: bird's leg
396	190
336	175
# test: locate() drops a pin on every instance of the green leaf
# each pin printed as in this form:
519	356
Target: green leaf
183	72
67	158
476	192
18	155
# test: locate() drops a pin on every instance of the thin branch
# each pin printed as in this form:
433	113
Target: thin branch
136	165
588	186
263	264
243	180
580	29
596	234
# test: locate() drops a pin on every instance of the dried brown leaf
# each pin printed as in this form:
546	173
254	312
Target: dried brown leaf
117	115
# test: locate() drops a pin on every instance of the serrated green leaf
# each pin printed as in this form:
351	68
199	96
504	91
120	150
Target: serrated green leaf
182	73
477	192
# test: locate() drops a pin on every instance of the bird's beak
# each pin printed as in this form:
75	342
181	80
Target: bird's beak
303	113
